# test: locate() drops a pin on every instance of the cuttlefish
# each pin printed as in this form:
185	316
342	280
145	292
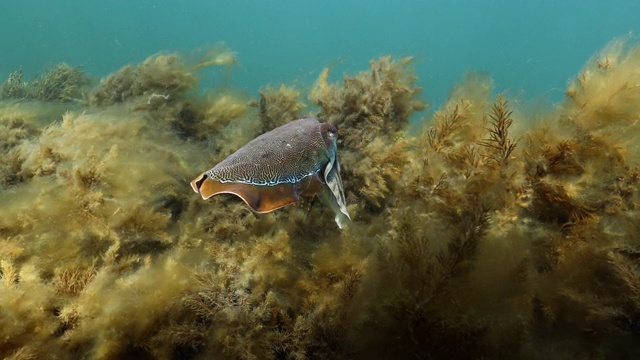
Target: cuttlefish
275	169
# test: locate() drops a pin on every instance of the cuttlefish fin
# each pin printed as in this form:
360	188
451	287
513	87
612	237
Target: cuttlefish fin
334	183
261	199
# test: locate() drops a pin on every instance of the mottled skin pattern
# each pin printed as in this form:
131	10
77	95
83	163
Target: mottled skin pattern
286	154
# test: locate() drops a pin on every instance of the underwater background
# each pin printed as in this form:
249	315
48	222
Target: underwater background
490	153
530	46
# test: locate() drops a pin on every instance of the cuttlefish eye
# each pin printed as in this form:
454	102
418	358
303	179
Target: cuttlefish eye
330	133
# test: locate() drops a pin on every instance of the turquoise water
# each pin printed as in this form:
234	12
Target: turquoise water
527	46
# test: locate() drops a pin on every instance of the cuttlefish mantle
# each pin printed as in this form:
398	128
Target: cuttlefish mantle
299	158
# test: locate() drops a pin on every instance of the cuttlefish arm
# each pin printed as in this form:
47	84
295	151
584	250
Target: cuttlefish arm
337	200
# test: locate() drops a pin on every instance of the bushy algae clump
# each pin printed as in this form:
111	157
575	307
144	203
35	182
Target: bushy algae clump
62	83
278	106
20	121
371	111
493	232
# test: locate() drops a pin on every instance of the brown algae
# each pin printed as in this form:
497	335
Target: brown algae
493	232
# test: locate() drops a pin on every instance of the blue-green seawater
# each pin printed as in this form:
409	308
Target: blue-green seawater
531	48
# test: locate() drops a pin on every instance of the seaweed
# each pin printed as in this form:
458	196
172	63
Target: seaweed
499	144
496	231
278	106
371	111
161	87
72	281
14	87
583	179
21	122
12	132
25	353
421	272
158	78
62	83
218	55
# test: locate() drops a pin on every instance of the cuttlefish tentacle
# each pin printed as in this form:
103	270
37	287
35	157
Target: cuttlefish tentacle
276	168
334	182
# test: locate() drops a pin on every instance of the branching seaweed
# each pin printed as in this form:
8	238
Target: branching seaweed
465	242
499	144
62	83
371	111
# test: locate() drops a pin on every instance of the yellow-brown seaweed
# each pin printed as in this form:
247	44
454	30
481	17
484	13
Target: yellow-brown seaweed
62	83
493	232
